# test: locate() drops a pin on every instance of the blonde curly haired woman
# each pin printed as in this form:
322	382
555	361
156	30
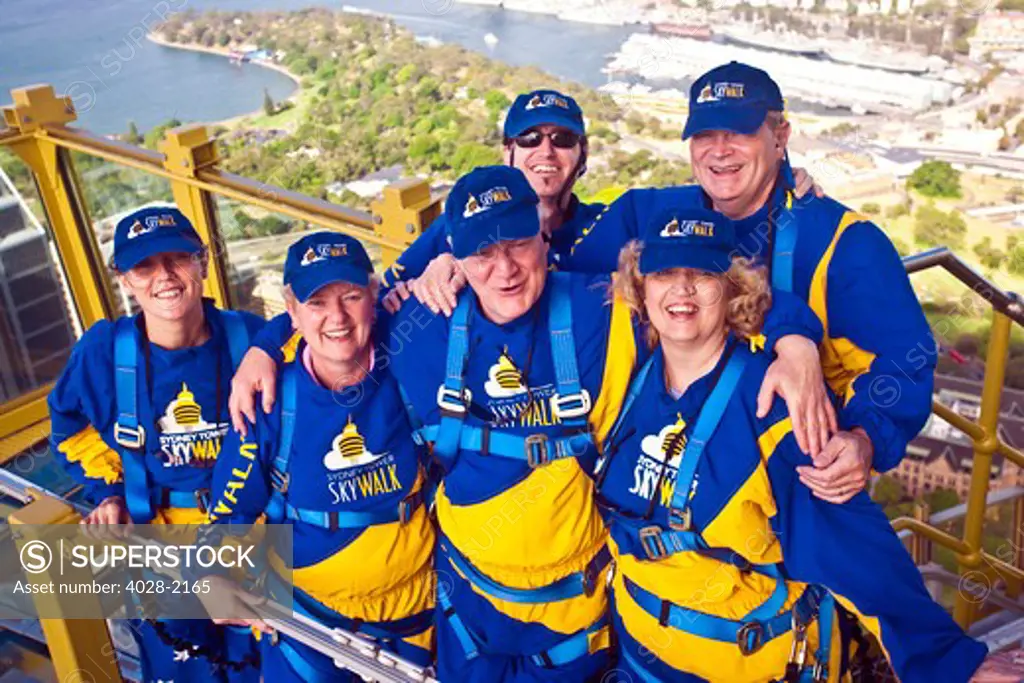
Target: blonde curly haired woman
728	567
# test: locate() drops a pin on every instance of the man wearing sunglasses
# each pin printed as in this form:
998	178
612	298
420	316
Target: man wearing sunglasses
545	138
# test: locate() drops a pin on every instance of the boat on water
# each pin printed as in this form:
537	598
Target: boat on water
774	42
491	39
691	31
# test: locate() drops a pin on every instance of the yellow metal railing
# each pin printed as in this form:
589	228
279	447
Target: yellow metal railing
971	557
37	132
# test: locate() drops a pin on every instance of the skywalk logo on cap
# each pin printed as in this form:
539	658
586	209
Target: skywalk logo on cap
688	229
713	92
138	229
164	220
488	199
547	100
320	252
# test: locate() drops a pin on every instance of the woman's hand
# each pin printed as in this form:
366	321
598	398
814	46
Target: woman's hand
257	372
805	183
439	286
226	598
842	469
796	377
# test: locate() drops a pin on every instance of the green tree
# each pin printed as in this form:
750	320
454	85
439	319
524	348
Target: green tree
896	211
268	103
934	227
935	179
422	147
1015	194
472	154
496	101
871	209
941	499
989	256
887	491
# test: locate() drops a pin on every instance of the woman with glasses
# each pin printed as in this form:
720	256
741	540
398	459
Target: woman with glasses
728	567
140	411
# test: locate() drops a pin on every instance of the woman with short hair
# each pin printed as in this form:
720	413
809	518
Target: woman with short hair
337	460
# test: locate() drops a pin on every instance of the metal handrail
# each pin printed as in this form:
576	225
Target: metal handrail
1008	303
348	650
1006	308
264	195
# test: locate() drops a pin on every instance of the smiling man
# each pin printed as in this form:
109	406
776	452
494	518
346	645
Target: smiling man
544	137
878	354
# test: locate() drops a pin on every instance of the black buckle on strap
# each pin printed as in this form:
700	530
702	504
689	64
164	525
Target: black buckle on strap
750	637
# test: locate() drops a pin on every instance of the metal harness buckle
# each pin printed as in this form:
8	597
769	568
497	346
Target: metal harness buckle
652	543
203	500
679	520
451	401
571	406
128	437
280	481
406	507
536	446
819	674
750	637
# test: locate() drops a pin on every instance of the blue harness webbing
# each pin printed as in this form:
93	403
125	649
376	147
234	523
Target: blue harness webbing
571	404
130	434
569	650
279	509
786	230
573	585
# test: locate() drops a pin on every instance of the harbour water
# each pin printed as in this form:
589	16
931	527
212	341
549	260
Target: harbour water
95	51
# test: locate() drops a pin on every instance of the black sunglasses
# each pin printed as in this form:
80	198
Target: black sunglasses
562	139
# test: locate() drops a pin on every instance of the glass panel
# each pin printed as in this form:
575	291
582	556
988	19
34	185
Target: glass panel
110	192
38	325
256	242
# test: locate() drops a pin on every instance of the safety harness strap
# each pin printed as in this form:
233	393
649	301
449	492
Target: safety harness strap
129	434
279	476
569	650
573	585
707	422
750	633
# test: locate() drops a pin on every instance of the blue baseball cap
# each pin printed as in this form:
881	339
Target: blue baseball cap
543	107
324	258
734	97
153	230
490	204
688	238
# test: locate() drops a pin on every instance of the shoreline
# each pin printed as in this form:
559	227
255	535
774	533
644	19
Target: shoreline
226	54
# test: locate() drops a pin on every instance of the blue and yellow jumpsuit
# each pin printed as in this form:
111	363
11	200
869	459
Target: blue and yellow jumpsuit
753	551
878	354
180	402
343	469
434	241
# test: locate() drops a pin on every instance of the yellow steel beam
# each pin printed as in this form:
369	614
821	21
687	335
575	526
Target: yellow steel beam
81	649
24	410
36	106
403	214
965	610
186	150
75	243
